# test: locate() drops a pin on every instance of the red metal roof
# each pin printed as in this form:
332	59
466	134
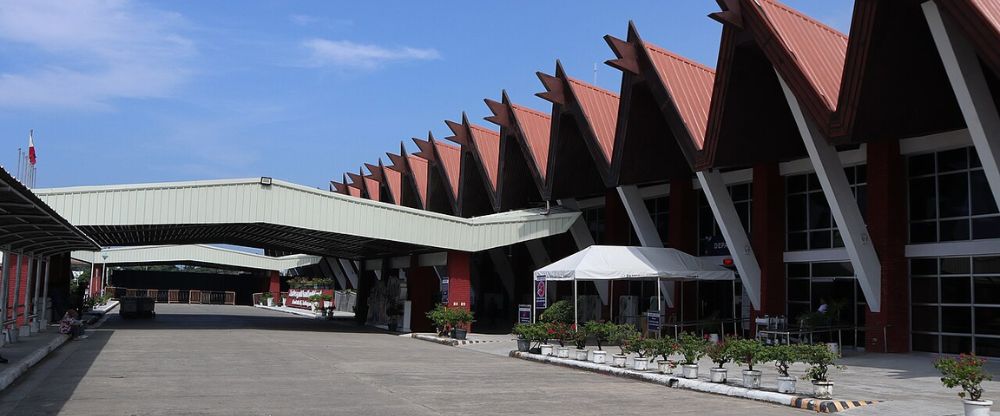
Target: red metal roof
372	186
600	108
450	159
487	143
394	181
817	49
354	191
418	167
690	85
535	127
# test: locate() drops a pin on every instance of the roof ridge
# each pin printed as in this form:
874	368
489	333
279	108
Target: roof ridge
807	18
484	129
448	145
593	87
530	110
676	57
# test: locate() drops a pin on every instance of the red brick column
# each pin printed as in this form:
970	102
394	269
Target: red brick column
95	281
274	283
15	289
460	280
767	222
421	286
682	234
887	227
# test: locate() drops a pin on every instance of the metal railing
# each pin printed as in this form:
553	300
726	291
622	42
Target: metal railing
178	296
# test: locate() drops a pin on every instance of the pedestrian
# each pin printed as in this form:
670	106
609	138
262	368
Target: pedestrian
71	325
823	307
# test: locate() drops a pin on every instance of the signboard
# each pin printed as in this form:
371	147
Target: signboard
524	314
653	321
444	290
715	246
540	300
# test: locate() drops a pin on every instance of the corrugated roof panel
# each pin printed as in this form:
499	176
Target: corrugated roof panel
394	181
488	146
535	126
372	186
990	10
690	85
354	191
819	50
418	167
600	107
450	159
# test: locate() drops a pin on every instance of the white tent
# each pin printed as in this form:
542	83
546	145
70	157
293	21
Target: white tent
631	263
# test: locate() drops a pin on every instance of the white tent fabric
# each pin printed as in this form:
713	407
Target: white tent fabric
625	262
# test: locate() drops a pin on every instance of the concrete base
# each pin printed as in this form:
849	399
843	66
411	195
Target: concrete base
24	331
35	326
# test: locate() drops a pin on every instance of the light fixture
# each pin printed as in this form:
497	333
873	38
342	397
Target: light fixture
265	180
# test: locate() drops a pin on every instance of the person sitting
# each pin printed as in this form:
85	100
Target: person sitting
71	324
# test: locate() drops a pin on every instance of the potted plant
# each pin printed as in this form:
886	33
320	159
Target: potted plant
719	353
692	347
601	332
748	352
644	349
315	301
328	302
665	347
561	333
459	320
966	371
579	336
561	311
526	333
820	359
623	335
266	299
784	356
394	311
439	316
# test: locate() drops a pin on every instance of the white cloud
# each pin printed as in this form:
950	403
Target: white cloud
83	54
347	54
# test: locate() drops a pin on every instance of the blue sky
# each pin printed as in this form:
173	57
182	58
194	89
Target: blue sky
122	91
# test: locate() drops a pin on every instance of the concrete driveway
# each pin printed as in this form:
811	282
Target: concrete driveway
236	360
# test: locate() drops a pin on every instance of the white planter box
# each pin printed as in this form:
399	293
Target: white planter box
689	370
977	407
600	357
718	375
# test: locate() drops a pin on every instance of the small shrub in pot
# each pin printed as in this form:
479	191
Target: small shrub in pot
748	352
783	356
820	359
623	335
720	354
692	347
966	371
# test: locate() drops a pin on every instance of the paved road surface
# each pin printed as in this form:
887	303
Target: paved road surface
234	360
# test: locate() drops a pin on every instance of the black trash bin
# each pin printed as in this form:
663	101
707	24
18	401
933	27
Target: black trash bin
136	307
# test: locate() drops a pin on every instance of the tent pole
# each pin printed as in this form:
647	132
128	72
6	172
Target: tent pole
611	301
534	300
576	313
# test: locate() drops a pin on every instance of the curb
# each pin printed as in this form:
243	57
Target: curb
451	341
289	311
22	366
798	402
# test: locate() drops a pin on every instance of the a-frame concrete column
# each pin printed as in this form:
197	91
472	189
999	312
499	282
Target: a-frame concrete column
12	293
349	271
887	202
767	220
733	232
645	229
540	258
843	206
583	239
504	270
338	273
973	94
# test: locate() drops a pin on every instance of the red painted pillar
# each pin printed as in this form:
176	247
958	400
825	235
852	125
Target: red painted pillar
421	286
11	280
682	234
887	227
617	228
274	283
767	220
95	281
460	280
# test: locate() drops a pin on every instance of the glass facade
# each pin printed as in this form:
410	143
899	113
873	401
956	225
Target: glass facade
949	198
809	221
955	305
810	285
710	240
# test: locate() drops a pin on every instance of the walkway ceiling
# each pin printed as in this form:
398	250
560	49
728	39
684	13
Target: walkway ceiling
29	225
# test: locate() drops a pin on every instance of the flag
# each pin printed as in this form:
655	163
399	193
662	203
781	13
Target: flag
31	147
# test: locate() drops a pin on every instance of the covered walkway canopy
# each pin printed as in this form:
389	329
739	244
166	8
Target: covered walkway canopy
28	225
195	254
272	214
630	263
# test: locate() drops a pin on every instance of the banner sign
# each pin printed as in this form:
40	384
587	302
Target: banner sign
540	300
653	321
524	314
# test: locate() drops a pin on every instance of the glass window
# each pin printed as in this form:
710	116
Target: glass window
924	289
925	342
955	345
988	321
807	210
949	198
925	318
710	237
988	346
955	289
958	299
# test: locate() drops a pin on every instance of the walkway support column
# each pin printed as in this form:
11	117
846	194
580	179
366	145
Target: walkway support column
540	258
733	232
12	293
973	94
34	295
338	273
349	270
274	283
645	228
460	281
843	206
4	278
42	318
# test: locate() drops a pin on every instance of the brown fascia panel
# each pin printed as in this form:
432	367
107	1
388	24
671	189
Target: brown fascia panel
727	49
394	182
375	171
444	163
980	20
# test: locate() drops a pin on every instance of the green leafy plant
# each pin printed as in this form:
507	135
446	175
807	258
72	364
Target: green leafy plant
440	317
720	353
624	334
644	348
459	317
820	359
814	319
965	371
580	336
692	347
561	311
784	356
535	333
602	332
265	296
664	347
558	331
747	352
